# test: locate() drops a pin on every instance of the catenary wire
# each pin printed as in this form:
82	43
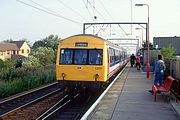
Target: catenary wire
49	12
96	10
111	17
77	13
91	16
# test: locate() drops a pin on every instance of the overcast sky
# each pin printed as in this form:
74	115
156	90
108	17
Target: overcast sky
21	21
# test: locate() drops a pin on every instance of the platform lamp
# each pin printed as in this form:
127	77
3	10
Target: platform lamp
141	36
138	45
148	58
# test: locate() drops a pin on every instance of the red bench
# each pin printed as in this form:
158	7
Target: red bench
165	88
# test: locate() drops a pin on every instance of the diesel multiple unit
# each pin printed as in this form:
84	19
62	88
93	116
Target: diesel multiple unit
83	59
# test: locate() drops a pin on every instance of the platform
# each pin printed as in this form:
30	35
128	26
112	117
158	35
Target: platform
129	99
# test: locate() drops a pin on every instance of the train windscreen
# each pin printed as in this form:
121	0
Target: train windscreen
81	56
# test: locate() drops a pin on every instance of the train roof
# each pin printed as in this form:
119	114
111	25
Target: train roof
90	35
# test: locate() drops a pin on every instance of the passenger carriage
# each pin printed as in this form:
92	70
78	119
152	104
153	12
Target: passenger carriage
85	59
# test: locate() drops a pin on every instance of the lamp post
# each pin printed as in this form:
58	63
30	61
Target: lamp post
148	58
138	44
141	36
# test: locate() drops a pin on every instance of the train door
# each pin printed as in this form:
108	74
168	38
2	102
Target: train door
108	60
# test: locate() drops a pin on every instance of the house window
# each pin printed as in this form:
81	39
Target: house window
14	52
22	50
1	53
27	50
8	52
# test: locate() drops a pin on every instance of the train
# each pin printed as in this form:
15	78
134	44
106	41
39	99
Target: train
88	60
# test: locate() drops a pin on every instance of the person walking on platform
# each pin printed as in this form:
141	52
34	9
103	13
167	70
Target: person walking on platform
159	71
132	60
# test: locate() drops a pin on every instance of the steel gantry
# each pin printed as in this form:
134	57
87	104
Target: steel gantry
141	24
88	25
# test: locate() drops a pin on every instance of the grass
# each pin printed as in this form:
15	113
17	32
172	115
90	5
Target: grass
22	79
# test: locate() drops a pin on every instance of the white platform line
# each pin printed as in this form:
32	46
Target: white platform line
84	117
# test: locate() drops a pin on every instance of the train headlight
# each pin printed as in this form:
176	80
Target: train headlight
96	77
63	75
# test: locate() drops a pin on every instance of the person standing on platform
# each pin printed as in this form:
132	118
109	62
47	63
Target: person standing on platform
132	60
141	59
138	63
159	71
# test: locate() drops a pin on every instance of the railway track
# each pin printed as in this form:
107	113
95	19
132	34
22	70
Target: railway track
48	103
42	107
69	108
15	106
72	108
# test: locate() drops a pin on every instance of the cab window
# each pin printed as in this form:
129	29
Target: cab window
80	57
95	57
66	56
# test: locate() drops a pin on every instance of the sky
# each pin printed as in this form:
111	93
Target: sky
19	21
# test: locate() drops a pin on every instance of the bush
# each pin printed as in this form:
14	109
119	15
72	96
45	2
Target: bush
11	88
167	52
1	63
25	78
31	61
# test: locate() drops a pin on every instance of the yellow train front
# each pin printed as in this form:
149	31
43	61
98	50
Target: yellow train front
87	59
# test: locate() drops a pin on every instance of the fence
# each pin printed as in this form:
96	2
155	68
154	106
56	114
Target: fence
173	69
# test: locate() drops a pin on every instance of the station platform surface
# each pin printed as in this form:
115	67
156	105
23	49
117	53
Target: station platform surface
133	101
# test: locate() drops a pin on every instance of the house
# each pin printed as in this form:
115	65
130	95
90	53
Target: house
7	50
24	48
15	49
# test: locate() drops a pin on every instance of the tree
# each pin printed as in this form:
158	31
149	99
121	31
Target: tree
31	61
167	52
44	55
145	45
51	41
8	40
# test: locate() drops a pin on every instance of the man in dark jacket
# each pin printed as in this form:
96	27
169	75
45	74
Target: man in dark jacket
132	60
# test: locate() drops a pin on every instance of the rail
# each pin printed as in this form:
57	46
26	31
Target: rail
12	107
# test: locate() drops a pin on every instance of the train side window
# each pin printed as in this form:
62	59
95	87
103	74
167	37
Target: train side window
66	56
117	56
120	56
95	57
111	56
120	52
